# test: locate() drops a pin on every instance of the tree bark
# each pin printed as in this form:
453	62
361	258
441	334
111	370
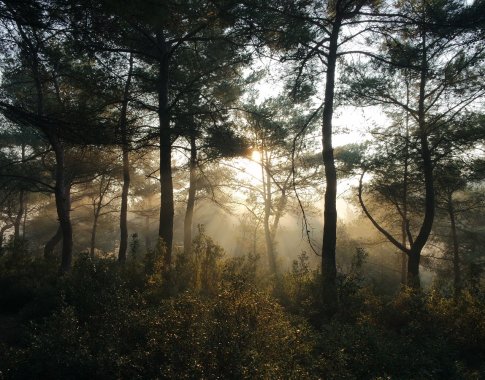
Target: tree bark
270	251
189	212
414	257
24	220
413	280
279	213
51	244
18	217
329	268
97	212
456	255
405	222
148	243
62	193
126	168
20	212
165	231
2	231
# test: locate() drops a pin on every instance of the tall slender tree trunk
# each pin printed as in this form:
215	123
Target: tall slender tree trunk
414	255
165	231
92	245
329	267
148	242
63	205
20	211
24	220
405	222
454	240
19	216
270	250
94	228
278	213
126	168
51	244
189	213
404	261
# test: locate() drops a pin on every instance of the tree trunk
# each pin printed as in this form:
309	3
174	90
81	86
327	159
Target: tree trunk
404	267
278	214
270	251
126	169
124	208
93	237
189	213
24	221
405	225
454	239
21	210
18	217
51	244
413	280
63	205
62	189
429	207
2	231
329	268
95	227
148	243
165	231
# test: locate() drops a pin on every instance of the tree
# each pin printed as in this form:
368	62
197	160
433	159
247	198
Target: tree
24	26
203	114
20	167
101	200
60	80
276	128
428	43
161	36
457	176
311	33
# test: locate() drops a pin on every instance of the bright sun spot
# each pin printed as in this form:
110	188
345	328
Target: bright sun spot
256	156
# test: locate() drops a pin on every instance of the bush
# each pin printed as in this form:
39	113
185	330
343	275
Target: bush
113	322
106	328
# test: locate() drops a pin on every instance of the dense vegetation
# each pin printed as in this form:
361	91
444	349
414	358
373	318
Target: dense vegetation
171	173
220	318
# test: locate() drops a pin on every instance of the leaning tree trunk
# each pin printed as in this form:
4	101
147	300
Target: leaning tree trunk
329	267
165	231
189	213
62	189
126	168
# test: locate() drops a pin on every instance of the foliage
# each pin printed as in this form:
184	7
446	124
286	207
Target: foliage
108	328
89	85
108	321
